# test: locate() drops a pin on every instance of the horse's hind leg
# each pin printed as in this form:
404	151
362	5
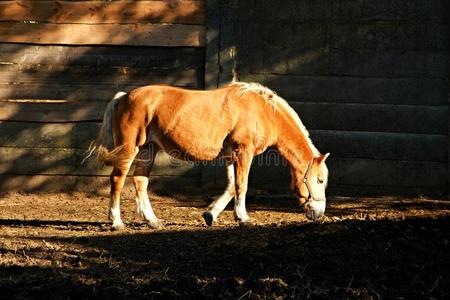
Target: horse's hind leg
117	180
140	181
218	205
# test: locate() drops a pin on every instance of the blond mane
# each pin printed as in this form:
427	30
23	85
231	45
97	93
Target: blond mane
276	101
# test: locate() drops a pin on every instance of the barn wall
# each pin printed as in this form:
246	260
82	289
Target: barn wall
61	61
368	78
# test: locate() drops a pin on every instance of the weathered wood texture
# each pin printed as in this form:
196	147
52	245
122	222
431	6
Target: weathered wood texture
361	172
364	90
135	23
379	117
75	135
105	12
62	161
93	73
50	112
145	57
96	184
369	79
162	35
61	61
327	61
382	145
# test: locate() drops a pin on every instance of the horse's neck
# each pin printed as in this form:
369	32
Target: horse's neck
295	148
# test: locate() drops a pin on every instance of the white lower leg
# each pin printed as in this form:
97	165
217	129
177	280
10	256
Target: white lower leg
144	208
220	203
240	213
114	213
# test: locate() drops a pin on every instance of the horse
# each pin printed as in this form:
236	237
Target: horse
235	122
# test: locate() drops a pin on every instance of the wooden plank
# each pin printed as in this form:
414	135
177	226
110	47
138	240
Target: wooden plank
325	61
162	35
52	183
404	91
381	145
99	185
48	161
98	74
113	56
300	11
349	36
75	92
374	117
388	173
380	191
101	12
51	111
363	172
48	135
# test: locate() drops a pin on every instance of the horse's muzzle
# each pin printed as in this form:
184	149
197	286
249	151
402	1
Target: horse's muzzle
314	209
314	215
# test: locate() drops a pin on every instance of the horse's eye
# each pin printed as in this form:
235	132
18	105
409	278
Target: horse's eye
319	180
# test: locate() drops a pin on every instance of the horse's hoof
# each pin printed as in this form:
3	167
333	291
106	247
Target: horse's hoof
245	224
117	227
155	225
208	217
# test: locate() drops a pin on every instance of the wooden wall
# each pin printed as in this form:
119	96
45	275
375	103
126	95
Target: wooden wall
368	78
61	61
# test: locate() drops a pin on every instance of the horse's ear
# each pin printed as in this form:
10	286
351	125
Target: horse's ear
323	158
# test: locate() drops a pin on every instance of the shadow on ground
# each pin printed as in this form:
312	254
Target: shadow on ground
340	260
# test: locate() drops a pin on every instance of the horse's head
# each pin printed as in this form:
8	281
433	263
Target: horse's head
310	185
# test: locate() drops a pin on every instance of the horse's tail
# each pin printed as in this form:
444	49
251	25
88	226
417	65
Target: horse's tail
103	146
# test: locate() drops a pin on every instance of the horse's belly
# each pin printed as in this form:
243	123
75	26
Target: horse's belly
187	146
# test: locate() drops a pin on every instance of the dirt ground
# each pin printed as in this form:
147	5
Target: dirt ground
59	246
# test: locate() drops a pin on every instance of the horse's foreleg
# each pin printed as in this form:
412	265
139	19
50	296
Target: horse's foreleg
242	170
218	205
140	181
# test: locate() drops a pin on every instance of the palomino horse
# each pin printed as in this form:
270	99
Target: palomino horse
236	122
